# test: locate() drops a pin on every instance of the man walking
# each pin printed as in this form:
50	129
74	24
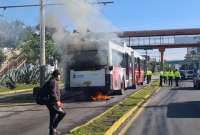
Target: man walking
149	74
165	75
177	77
170	76
161	77
54	105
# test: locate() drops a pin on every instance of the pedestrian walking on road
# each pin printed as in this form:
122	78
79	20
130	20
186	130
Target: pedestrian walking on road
149	74
170	76
177	77
161	77
54	105
165	76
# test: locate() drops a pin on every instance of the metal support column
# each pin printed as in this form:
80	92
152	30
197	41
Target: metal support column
42	43
162	50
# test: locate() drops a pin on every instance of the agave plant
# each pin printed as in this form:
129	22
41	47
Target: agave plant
22	75
26	74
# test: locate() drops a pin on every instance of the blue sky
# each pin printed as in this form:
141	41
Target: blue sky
129	15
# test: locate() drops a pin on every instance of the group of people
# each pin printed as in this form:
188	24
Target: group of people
168	76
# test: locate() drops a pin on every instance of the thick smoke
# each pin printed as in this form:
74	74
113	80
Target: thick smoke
91	32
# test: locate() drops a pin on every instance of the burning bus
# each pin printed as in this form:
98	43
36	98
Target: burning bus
107	67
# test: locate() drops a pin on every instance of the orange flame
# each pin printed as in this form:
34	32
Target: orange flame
99	96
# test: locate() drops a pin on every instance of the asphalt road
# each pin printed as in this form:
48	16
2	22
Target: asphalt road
33	119
172	111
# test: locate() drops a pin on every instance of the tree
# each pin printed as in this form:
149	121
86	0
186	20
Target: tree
31	47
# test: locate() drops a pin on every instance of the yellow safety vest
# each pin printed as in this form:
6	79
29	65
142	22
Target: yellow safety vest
177	74
171	74
161	73
149	72
166	74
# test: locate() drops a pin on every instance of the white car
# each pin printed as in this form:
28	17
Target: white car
188	74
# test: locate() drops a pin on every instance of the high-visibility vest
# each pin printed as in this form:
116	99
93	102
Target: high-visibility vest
177	74
171	74
166	73
161	73
149	72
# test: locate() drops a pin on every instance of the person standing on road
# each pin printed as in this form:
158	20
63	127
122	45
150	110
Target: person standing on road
149	74
177	77
54	105
170	77
161	77
165	76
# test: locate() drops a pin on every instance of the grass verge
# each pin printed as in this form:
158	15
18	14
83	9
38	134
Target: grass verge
100	125
19	87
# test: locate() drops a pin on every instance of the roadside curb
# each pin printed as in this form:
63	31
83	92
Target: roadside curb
16	104
95	118
2	104
127	115
108	110
15	92
90	121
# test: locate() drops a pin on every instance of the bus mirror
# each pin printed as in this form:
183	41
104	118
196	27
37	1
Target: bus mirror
110	68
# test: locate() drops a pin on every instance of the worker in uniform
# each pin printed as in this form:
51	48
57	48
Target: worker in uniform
161	77
170	77
177	75
149	74
165	76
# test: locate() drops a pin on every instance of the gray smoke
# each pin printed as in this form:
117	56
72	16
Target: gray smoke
91	31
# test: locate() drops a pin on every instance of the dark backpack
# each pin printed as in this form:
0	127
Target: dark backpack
41	95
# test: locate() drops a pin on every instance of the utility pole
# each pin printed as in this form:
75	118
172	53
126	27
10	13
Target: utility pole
42	43
146	61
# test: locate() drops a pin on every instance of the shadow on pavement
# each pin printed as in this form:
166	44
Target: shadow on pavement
184	110
184	88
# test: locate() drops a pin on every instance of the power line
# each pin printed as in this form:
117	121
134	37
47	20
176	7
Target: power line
53	4
28	5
